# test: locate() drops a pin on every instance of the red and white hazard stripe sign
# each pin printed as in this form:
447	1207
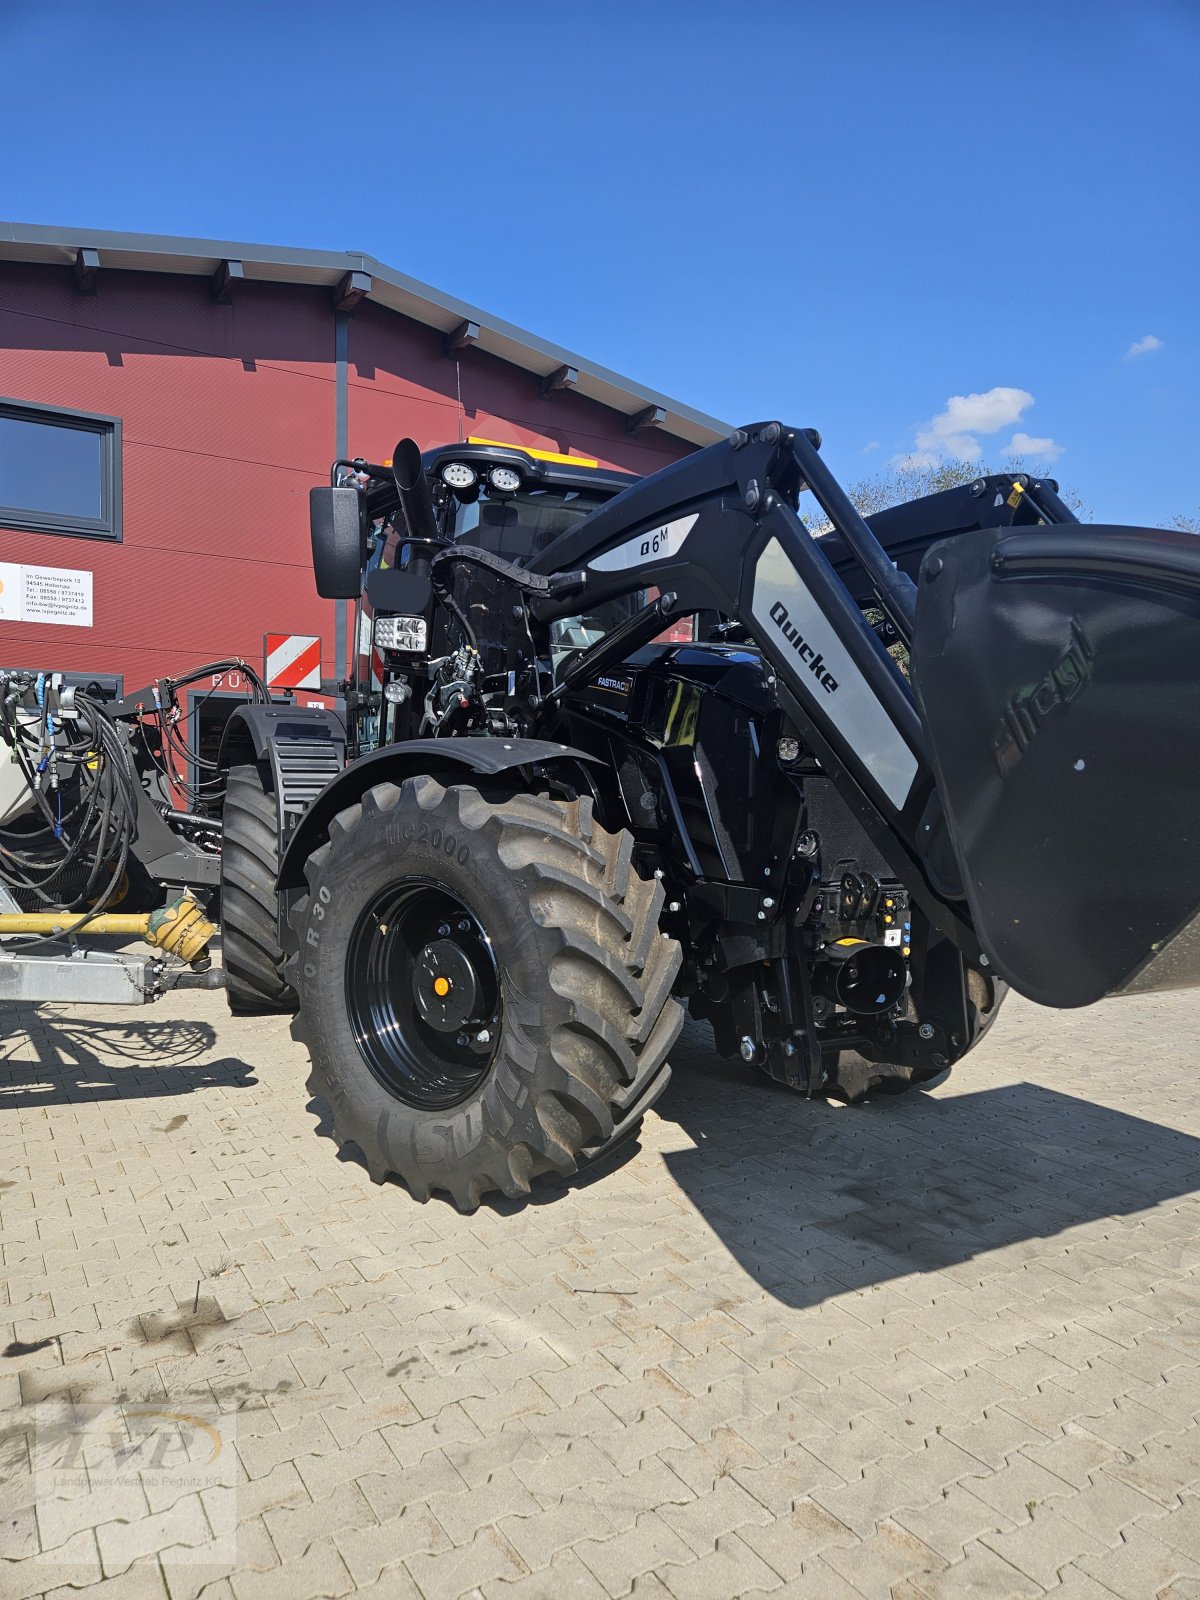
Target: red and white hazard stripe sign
293	660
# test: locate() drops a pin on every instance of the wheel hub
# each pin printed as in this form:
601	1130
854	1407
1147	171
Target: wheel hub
445	986
423	993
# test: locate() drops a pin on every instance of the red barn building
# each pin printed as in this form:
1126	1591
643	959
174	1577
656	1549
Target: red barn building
165	405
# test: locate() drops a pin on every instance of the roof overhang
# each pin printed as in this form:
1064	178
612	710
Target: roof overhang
219	260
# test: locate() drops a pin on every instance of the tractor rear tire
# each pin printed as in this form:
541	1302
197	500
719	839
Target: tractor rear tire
483	987
254	981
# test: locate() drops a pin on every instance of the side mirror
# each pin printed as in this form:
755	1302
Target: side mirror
338	526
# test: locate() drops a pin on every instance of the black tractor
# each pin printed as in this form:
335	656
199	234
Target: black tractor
615	746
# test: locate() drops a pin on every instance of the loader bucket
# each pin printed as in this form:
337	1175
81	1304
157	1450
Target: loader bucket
1058	674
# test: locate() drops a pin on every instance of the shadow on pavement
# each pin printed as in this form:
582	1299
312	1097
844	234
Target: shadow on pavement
814	1198
50	1059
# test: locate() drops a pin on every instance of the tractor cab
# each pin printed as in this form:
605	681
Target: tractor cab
511	501
514	500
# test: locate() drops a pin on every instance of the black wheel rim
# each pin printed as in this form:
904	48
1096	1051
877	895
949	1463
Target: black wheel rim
423	994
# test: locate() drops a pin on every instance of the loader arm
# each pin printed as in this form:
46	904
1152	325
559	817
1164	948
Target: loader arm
1036	787
720	531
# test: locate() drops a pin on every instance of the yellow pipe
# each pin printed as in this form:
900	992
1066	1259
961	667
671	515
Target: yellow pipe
180	928
58	922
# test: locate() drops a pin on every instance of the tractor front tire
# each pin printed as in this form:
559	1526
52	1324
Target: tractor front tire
253	960
483	988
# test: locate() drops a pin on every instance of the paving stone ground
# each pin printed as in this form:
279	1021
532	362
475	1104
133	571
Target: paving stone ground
946	1345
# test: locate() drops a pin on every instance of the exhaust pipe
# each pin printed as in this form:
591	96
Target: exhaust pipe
865	978
413	488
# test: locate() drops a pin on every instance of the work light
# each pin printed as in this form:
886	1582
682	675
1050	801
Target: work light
400	633
506	479
458	475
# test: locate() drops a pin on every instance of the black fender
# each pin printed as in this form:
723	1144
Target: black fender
305	747
444	759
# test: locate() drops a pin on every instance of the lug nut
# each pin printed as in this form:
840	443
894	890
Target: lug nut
768	903
444	930
483	1037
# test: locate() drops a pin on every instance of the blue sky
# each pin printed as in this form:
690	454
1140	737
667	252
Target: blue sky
921	227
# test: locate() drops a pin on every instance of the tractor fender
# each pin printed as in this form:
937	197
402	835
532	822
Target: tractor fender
444	759
305	747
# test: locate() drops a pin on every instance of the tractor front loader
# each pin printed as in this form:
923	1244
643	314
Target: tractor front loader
616	745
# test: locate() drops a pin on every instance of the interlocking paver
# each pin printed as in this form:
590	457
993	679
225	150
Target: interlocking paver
649	1545
566	1578
486	1559
540	1537
981	1575
1141	1565
889	1556
944	1346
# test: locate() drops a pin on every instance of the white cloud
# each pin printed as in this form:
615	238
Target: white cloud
953	434
867	448
967	414
1143	347
1028	447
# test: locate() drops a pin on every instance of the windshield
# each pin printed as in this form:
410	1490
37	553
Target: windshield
517	526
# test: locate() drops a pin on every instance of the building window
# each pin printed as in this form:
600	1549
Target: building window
60	471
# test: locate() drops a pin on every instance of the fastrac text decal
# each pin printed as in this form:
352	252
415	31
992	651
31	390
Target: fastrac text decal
823	670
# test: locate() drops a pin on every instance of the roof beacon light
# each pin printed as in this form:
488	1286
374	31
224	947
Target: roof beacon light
458	475
506	479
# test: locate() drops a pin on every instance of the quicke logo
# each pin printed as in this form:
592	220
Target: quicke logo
811	658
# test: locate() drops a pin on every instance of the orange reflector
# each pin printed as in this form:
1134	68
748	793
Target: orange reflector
441	986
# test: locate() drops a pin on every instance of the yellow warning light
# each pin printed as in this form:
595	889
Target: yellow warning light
441	987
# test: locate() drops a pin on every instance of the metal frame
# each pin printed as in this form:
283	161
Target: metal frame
108	429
